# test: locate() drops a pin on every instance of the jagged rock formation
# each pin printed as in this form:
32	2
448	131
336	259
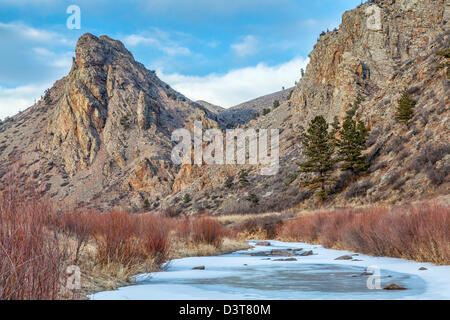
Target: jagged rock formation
101	137
377	63
105	129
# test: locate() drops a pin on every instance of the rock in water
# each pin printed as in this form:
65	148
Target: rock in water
394	286
346	257
199	268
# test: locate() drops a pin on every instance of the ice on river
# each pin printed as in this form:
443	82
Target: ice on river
240	276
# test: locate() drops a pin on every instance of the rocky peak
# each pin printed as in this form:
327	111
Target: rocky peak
99	51
110	121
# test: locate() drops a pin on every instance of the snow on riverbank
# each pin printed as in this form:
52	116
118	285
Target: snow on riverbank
318	276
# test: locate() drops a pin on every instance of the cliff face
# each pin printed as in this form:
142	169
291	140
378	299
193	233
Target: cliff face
105	129
101	137
376	57
366	56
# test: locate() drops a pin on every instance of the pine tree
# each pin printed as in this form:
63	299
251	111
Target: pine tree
318	147
243	178
405	108
352	142
276	104
187	198
146	204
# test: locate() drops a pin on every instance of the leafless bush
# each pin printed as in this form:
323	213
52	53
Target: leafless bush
402	155
434	175
378	166
395	145
429	156
359	189
420	232
373	136
171	212
344	179
393	177
267	224
399	183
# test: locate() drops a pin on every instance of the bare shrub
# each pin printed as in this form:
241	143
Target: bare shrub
399	183
171	212
207	230
267	224
418	232
429	156
403	155
434	175
378	166
395	145
393	177
235	206
358	189
32	260
373	136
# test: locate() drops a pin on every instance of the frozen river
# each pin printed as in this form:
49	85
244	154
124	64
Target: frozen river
280	271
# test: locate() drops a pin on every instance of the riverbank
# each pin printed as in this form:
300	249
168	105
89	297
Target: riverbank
257	274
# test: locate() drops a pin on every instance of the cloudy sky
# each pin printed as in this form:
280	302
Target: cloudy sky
222	51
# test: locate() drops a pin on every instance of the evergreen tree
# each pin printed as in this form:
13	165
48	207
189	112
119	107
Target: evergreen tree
276	104
187	198
146	204
319	148
47	97
352	142
243	178
405	108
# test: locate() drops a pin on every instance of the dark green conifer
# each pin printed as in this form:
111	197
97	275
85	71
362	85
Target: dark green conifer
405	108
352	142
318	147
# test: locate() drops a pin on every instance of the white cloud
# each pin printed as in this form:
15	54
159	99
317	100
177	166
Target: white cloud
238	85
160	42
26	32
247	47
13	100
61	61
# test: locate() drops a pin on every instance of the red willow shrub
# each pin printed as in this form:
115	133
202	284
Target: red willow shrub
418	232
207	230
200	229
32	259
119	236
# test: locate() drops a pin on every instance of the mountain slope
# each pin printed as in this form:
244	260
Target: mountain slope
407	163
244	112
101	136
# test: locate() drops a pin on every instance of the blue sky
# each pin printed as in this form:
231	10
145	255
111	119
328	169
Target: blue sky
224	52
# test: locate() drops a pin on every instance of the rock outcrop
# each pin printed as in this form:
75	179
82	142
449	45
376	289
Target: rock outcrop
101	136
107	130
375	57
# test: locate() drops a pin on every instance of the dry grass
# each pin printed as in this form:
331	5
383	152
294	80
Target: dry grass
418	232
32	259
112	247
182	249
36	246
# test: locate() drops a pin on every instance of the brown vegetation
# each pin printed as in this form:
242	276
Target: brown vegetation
32	259
417	232
37	246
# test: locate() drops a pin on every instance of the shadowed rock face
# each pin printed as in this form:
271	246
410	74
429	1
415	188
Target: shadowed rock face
101	137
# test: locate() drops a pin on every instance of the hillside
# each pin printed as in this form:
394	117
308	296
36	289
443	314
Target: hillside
247	111
101	137
406	163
